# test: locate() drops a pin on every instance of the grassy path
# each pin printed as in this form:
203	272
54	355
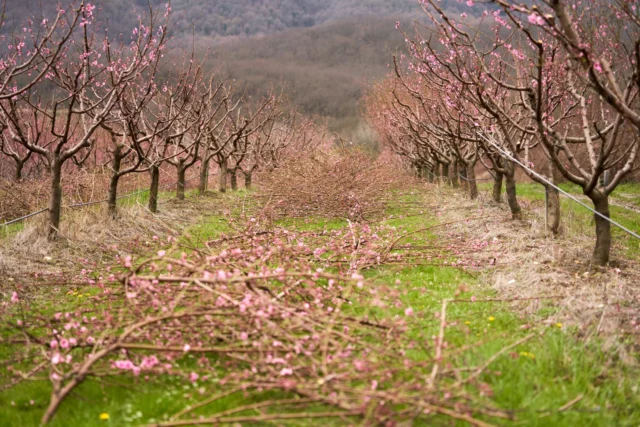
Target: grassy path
540	373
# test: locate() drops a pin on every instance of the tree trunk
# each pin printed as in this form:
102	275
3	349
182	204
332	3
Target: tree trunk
428	170
55	204
473	185
455	181
153	189
113	184
445	173
247	180
19	167
234	179
425	173
497	187
603	228
181	181
418	171
112	198
204	176
553	209
223	176
510	188
464	178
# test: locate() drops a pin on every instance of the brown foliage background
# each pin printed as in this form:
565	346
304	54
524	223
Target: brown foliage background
350	184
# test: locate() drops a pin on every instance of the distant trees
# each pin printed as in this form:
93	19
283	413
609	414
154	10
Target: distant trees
551	78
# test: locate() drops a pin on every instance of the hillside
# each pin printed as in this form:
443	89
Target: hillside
223	18
323	68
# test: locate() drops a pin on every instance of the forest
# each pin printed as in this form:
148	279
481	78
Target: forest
292	213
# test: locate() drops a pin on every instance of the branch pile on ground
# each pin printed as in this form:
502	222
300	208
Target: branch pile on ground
349	184
256	314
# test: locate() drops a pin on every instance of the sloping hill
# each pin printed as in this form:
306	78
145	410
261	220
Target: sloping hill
222	18
323	68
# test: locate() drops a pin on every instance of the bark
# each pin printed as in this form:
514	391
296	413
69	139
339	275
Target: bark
112	198
55	203
426	173
497	187
464	176
429	172
418	172
204	176
223	176
444	176
602	249
510	189
473	185
233	177
455	181
153	189
113	184
19	168
553	201
247	180
181	184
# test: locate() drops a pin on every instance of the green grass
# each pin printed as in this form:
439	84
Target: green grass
562	368
534	379
577	219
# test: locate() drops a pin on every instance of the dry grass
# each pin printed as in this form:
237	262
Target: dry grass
549	277
90	238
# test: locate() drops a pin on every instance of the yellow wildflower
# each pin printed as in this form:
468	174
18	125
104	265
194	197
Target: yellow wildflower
467	323
559	325
104	416
491	318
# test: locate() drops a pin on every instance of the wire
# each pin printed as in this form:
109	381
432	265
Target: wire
549	183
22	218
77	205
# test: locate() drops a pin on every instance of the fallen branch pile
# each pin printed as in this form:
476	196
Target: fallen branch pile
324	340
350	185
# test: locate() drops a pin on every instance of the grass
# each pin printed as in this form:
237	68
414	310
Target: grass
577	219
533	380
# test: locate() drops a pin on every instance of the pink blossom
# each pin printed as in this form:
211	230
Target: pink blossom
55	359
408	311
536	19
286	371
193	377
14	297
